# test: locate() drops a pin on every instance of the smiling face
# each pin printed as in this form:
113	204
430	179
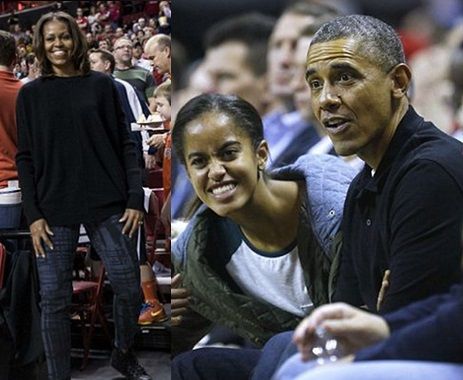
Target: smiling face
59	47
353	98
221	162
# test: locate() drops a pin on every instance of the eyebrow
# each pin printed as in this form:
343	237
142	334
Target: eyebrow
335	66
222	148
228	144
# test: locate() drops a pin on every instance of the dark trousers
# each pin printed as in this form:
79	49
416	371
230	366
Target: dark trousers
234	364
119	256
215	364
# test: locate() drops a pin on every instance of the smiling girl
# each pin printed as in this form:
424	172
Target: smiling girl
258	254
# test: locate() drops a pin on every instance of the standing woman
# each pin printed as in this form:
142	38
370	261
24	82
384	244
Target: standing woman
77	165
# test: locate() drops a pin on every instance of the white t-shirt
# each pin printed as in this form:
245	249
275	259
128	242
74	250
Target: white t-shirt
276	278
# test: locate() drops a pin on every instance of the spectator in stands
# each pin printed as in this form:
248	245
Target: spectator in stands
139	25
233	60
421	340
160	103
114	14
161	99
99	185
103	15
91	42
157	50
33	68
105	44
137	59
9	88
103	61
92	18
118	33
277	231
287	135
81	20
137	76
153	23
133	104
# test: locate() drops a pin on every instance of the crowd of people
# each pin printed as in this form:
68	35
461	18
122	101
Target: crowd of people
73	87
362	252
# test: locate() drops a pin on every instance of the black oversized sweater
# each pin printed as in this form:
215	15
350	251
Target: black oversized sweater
76	161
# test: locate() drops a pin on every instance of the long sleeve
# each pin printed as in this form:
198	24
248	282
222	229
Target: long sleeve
425	234
76	159
129	158
433	337
25	164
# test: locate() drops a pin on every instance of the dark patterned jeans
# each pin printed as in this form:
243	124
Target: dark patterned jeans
119	256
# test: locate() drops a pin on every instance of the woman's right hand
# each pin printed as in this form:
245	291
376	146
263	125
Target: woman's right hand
40	231
179	300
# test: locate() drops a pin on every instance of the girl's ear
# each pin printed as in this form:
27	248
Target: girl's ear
262	153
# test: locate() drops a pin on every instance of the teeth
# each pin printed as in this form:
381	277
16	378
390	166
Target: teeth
333	123
223	189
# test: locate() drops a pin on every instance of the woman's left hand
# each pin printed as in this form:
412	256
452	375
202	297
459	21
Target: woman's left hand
132	219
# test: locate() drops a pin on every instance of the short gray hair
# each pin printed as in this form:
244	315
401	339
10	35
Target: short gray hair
379	43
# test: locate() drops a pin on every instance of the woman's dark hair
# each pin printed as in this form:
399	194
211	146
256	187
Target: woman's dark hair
240	111
79	52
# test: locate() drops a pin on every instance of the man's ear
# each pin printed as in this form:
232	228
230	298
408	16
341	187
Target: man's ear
107	66
400	76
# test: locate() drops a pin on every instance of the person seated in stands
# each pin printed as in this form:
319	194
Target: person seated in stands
158	51
287	133
422	340
258	254
160	104
138	77
103	61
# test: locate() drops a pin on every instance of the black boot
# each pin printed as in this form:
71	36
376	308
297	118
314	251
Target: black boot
127	364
